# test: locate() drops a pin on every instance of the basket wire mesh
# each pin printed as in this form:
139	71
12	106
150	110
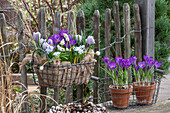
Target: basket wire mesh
106	99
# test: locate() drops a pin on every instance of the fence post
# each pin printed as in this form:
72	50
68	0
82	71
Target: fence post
126	22
138	36
127	39
147	11
107	51
80	25
4	40
4	36
42	29
69	89
96	28
117	28
20	29
57	24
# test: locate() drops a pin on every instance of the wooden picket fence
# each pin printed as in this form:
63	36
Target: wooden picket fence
80	26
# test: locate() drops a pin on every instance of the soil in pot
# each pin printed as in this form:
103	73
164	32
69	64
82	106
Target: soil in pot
144	93
120	97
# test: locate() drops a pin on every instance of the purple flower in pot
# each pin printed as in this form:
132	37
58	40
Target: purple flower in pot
106	60
112	65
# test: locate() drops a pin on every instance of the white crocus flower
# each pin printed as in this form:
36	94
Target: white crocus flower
97	53
60	48
57	54
49	49
62	42
66	36
67	49
41	41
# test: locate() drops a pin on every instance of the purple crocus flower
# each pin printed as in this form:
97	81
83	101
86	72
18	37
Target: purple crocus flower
121	63
117	72
148	67
126	63
71	42
61	33
137	68
142	64
117	59
90	40
112	65
56	38
106	60
158	64
151	63
147	58
144	69
133	60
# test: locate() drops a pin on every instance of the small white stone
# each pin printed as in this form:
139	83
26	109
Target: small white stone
79	106
104	108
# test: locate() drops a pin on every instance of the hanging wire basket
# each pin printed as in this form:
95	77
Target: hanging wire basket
61	75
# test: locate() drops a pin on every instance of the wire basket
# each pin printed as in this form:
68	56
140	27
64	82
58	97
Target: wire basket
63	75
137	97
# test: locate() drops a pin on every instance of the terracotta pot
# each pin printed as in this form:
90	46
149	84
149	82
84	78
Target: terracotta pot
144	93
120	97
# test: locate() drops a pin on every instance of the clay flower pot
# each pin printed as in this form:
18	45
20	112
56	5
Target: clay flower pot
144	93
120	97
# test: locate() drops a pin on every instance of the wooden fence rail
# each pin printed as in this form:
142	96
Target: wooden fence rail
80	25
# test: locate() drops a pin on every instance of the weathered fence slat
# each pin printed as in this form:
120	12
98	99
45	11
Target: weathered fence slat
4	51
127	39
138	36
107	43
57	24
80	25
147	14
20	28
117	28
42	22
4	36
126	21
69	89
42	29
96	28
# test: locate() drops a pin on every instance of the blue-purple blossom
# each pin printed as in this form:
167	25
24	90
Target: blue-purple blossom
147	58
151	63
144	69
90	40
70	43
133	60
112	65
106	60
142	64
117	59
136	68
126	63
158	64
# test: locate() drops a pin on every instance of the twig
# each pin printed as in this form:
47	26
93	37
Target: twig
30	13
